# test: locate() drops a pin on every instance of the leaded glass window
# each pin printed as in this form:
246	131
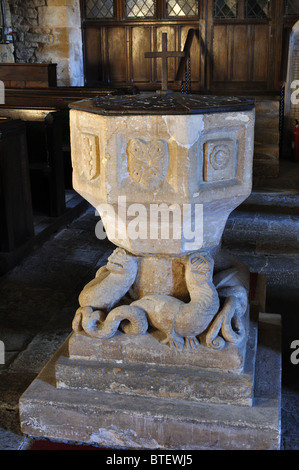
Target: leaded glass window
95	9
225	8
257	8
182	8
140	8
291	7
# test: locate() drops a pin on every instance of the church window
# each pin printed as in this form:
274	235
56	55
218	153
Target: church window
99	9
291	7
140	8
182	8
225	9
257	8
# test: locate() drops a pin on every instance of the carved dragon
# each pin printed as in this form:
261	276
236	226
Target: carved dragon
181	322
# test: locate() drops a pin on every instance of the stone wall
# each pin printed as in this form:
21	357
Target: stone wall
7	53
49	31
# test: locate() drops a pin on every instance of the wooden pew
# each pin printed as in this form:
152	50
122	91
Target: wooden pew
56	97
16	215
46	115
22	75
52	97
44	136
46	163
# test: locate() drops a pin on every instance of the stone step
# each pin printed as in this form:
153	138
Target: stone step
193	384
119	420
265	223
276	201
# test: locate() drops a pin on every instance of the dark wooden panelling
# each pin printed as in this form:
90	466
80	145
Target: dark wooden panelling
117	54
239	55
114	53
17	75
221	54
241	52
141	69
260	52
16	216
94	61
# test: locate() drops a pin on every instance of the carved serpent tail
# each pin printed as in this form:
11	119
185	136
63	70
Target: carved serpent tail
96	325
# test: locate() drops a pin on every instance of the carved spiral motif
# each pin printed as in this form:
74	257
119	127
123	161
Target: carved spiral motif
219	157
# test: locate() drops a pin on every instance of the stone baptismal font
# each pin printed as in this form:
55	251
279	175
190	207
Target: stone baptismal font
164	352
195	169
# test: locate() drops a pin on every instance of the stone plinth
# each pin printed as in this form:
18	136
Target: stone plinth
142	366
87	407
147	349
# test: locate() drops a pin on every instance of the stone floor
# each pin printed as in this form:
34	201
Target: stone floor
39	298
38	301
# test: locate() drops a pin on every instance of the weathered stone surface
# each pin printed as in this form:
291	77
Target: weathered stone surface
186	146
177	379
124	421
147	349
6	53
49	32
186	150
171	151
11	441
160	273
167	382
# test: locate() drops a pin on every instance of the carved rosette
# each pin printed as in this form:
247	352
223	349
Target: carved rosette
147	162
219	160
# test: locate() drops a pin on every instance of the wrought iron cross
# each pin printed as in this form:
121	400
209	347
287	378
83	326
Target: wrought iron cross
164	55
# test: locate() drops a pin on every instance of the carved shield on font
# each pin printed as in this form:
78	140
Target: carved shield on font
147	161
89	165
